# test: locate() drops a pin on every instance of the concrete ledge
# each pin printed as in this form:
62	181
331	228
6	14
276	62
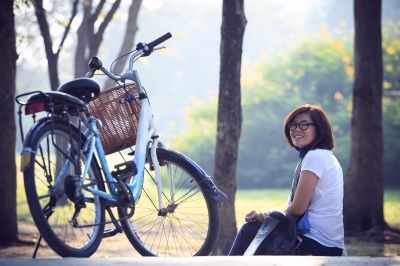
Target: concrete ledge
209	261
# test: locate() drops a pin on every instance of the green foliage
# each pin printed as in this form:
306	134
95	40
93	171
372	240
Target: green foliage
318	71
391	102
198	141
391	58
391	124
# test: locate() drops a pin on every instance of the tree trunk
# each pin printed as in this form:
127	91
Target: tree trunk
128	42
94	43
52	57
89	40
363	204
8	55
229	117
82	41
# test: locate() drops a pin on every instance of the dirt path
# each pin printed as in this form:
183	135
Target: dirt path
116	246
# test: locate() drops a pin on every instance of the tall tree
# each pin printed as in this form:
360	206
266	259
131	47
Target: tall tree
90	36
229	119
363	204
52	56
8	55
128	41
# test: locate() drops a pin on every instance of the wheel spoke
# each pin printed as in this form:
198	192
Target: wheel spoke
187	196
155	183
180	228
45	187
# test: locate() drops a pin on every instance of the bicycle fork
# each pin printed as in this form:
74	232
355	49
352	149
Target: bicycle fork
156	165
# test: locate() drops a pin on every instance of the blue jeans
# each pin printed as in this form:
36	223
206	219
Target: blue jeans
307	246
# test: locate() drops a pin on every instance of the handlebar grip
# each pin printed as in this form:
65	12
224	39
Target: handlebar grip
161	39
95	63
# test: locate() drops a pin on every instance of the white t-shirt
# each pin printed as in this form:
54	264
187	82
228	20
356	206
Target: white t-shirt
325	212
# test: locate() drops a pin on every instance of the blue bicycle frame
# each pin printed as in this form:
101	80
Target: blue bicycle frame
146	135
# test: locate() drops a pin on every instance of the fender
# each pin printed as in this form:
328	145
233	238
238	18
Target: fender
206	182
27	152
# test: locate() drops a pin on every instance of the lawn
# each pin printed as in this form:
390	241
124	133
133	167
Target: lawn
276	199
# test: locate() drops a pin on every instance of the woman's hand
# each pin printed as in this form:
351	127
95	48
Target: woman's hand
255	216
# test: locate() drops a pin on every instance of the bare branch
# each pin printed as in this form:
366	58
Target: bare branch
96	13
129	37
99	34
52	58
43	25
73	14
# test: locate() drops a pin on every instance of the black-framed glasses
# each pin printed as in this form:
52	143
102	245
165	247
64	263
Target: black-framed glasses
303	125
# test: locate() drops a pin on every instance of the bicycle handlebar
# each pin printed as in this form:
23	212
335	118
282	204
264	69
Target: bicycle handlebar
159	40
142	49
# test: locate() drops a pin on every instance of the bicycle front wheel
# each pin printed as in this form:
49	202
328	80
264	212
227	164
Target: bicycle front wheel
50	184
188	222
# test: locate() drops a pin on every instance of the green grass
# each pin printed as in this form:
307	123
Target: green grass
392	207
276	199
260	200
246	200
23	213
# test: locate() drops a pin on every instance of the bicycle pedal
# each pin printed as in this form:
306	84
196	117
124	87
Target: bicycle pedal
128	170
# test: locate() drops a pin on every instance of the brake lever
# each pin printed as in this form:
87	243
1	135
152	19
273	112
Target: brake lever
149	53
159	48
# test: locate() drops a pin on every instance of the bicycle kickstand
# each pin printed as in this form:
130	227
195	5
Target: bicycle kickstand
37	245
118	228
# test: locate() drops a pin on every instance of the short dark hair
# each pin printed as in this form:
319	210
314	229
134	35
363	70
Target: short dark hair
324	139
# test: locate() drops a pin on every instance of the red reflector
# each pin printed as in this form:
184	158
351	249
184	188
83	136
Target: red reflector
32	108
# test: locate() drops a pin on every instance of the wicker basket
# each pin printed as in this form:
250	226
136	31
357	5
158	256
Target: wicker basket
119	119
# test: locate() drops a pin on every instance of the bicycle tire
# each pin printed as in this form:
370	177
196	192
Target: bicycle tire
43	196
190	228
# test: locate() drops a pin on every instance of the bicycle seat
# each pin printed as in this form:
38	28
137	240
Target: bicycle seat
83	88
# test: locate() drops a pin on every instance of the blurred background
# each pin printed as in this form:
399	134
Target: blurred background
294	52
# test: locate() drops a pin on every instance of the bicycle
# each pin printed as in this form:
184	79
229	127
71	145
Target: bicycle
166	204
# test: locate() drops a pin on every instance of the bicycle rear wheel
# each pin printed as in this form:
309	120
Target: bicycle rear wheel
188	223
50	182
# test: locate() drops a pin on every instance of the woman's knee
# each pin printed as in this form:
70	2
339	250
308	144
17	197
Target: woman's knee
244	237
249	230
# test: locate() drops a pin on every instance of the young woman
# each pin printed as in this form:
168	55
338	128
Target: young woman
317	191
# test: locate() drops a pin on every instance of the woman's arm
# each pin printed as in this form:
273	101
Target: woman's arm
307	182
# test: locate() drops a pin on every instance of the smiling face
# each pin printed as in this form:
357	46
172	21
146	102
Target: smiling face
302	137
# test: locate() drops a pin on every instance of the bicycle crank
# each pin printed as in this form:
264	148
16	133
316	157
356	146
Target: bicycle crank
125	201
